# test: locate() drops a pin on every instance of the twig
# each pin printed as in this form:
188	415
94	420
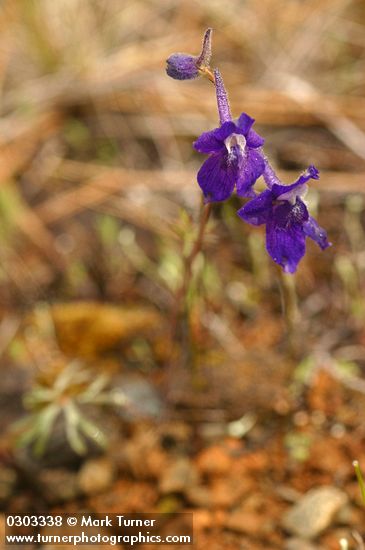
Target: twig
188	266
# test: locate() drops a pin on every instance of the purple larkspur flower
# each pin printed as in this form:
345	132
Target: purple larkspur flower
288	222
184	66
235	159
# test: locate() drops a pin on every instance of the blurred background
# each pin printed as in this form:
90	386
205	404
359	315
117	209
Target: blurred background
98	205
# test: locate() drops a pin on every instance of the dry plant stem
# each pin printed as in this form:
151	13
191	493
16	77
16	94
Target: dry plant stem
360	479
180	322
204	217
208	73
180	298
358	539
180	313
290	308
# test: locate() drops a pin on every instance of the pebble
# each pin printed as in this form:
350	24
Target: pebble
225	493
314	512
58	485
199	496
203	519
246	522
178	477
96	476
299	544
214	461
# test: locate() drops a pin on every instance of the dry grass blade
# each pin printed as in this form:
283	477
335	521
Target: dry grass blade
21	217
20	139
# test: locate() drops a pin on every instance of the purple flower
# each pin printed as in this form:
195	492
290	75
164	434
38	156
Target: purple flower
183	66
235	159
288	222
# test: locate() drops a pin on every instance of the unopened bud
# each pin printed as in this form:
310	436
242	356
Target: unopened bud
183	66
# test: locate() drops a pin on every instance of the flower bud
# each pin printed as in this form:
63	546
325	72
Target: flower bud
183	66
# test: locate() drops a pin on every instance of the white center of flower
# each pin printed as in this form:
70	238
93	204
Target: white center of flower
291	196
235	143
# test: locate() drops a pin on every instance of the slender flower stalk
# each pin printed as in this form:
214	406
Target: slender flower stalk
180	325
269	175
189	260
204	217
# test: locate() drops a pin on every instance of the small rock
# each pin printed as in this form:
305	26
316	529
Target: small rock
299	544
202	520
225	493
243	521
96	476
130	496
199	496
220	518
143	400
314	512
141	455
214	461
58	485
8	479
175	435
178	477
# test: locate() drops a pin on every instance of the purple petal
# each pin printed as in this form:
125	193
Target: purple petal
285	246
245	123
258	210
286	215
225	130
285	237
182	66
251	168
208	143
315	232
310	173
217	178
213	141
254	140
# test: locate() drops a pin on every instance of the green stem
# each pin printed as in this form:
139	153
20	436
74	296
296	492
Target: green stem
360	479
